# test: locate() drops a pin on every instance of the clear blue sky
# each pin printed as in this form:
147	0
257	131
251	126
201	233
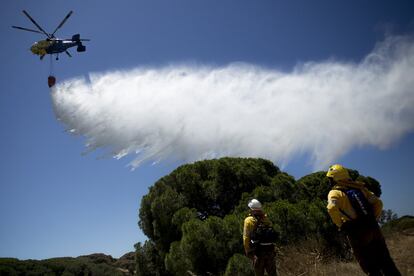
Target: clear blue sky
54	201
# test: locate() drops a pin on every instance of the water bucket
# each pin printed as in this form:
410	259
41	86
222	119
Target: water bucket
51	80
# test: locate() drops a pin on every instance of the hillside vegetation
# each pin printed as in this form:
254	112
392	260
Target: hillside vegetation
93	265
193	219
194	216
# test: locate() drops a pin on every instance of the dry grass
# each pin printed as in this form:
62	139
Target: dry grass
401	247
307	260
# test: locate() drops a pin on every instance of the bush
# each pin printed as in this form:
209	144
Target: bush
239	265
194	216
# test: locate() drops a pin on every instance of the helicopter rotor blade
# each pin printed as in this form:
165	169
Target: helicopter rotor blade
26	29
61	23
68	53
35	23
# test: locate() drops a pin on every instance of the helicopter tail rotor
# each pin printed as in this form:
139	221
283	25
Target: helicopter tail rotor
76	38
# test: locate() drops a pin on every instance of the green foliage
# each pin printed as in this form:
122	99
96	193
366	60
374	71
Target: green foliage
181	216
313	186
288	220
298	221
177	261
371	184
205	246
126	262
354	174
239	265
387	216
194	216
402	224
211	188
59	266
148	260
157	209
283	187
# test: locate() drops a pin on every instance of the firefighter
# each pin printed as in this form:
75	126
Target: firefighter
355	210
258	240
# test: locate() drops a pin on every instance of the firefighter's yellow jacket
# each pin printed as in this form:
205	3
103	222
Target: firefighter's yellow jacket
249	227
339	206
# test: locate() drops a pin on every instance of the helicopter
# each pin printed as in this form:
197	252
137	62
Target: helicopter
52	45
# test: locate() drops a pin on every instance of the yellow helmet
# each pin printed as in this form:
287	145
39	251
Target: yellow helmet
338	172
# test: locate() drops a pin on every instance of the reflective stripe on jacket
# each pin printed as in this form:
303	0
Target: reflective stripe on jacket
249	227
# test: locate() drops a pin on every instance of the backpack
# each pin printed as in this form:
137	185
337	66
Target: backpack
263	234
359	202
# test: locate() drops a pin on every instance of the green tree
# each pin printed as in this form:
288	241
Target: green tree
148	260
283	186
239	265
387	216
372	184
203	191
194	216
313	186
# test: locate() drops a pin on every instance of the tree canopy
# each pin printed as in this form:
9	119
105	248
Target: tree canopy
194	216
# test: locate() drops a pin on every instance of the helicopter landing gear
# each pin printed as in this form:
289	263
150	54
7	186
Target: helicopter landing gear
57	57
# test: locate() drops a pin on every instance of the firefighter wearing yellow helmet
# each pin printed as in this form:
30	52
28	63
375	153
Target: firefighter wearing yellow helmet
355	210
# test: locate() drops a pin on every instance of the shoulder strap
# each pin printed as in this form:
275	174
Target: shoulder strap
258	221
358	201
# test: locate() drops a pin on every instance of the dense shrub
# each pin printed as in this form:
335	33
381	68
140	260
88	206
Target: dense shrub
194	216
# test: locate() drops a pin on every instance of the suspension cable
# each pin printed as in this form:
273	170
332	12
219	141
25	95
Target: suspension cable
51	66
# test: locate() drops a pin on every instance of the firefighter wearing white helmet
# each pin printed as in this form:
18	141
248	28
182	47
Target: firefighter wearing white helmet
254	204
258	240
355	210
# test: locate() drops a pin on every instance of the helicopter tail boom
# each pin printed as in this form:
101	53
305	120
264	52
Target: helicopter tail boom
76	38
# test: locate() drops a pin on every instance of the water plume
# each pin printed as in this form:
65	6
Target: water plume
191	112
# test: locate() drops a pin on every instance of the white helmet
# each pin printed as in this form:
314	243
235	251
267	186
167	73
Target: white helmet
254	204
